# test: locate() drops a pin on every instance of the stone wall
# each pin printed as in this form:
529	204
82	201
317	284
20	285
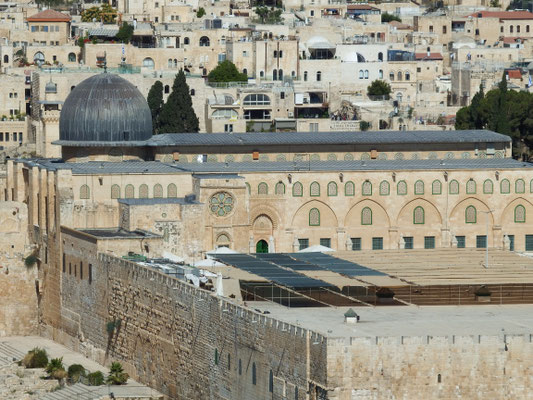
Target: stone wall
181	340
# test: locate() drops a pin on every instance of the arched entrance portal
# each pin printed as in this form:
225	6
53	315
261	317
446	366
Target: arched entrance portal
261	247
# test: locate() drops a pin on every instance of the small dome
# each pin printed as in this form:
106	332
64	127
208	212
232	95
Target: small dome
105	108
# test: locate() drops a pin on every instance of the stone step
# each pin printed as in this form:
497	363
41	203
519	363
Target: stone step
7	351
78	391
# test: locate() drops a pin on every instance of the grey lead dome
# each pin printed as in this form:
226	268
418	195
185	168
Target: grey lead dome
105	108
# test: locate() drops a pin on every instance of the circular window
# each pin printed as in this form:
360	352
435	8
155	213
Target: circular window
221	204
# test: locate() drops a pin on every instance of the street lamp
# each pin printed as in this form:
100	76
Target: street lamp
486	265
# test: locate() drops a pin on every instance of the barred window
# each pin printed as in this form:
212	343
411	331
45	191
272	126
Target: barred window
315	157
366	216
470	215
129	192
158	191
367	188
419	187
384	188
143	191
487	187
418	215
229	158
314	217
365	156
172	190
348	157
332	189
436	187
471	187
505	187
262	188
314	189
401	188
520	186
349	189
115	192
297	189
454	187
280	188
399	156
85	192
520	214
332	157
281	157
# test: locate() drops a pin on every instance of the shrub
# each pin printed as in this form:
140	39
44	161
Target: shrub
30	261
386	17
95	378
55	368
364	125
200	13
116	376
75	372
36	358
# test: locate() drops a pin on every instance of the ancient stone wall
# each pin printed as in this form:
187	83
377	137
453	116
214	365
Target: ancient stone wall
182	340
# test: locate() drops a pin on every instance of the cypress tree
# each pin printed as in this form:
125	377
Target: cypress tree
177	114
155	102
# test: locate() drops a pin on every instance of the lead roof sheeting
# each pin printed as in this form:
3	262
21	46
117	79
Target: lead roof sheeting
270	271
303	138
288	262
338	265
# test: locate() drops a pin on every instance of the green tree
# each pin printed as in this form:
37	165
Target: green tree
155	102
200	13
270	15
386	17
95	378
125	33
226	71
379	88
177	114
105	13
116	376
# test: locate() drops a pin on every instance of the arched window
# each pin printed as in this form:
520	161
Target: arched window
361	74
332	189
71	57
115	192
85	192
399	75
315	157
223	240
158	191
229	158
281	157
280	75
366	189
470	215
226	113
349	189
275	75
418	216
488	187
167	89
262	188
129	192
172	190
271	382
366	216
256	100
419	187
391	76
175	63
380	56
520	186
407	76
314	189
6	59
186	40
384	188
248	188
436	187
471	187
245	71
314	217
280	188
254	374
349	157
143	191
505	187
148	63
366	74
318	76
454	187
169	63
305	76
261	74
401	188
380	74
204	41
38	58
332	157
520	214
297	189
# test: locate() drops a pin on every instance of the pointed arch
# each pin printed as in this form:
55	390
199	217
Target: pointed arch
366	216
520	214
129	192
158	191
349	188
419	187
297	189
366	188
471	186
314	217
470	215
384	188
314	189
143	191
85	192
436	187
418	215
332	189
488	186
172	190
505	186
327	215
279	188
520	186
115	191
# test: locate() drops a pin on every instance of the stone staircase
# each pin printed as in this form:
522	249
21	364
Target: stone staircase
79	391
9	354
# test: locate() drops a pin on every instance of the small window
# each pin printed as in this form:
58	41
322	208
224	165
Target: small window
471	187
129	191
505	187
429	242
262	188
356	244
461	242
487	187
481	241
454	187
401	188
204	41
384	188
419	187
280	188
418	216
297	189
143	191
314	189
436	187
240	367
186	40
216	356
167	89
314	217
332	189
81	270
325	242
85	192
318	76
377	243
115	191
520	214
229	362
303	244
349	189
470	215
520	186
366	189
366	216
158	191
408	242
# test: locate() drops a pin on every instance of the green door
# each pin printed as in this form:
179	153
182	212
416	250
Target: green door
261	247
529	242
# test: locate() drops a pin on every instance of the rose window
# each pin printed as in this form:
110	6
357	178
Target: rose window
221	204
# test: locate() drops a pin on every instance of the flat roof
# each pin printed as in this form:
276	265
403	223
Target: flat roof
154	201
396	321
117	233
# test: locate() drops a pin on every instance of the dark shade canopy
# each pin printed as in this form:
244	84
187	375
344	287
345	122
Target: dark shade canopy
105	108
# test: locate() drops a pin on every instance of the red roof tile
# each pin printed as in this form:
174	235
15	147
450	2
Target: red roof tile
361	7
512	40
49	16
502	14
514	74
432	56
